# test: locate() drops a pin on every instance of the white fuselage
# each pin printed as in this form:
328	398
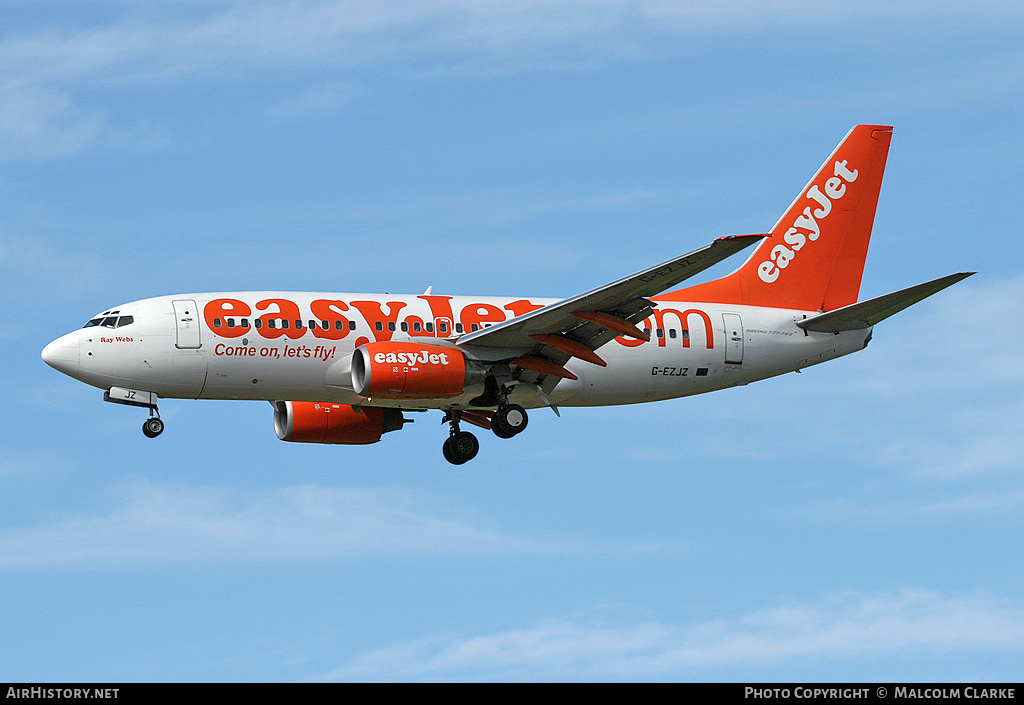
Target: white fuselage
191	346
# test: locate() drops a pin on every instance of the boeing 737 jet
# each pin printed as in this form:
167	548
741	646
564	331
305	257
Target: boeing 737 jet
345	368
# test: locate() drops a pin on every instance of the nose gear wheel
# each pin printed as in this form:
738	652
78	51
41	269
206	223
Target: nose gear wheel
153	427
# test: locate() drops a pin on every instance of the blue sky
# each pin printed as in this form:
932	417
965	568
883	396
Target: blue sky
860	521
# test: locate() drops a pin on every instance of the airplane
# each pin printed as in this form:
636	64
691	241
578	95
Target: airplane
344	368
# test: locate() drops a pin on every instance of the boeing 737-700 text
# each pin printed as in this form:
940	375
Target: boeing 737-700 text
342	368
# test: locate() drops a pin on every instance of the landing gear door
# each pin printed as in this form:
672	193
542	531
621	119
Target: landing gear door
733	338
186	324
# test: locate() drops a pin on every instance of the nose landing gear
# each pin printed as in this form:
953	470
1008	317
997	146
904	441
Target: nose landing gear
153	427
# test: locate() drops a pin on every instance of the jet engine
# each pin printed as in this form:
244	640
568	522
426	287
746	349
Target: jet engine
324	422
402	370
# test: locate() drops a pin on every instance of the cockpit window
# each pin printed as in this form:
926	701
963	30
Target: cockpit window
110	321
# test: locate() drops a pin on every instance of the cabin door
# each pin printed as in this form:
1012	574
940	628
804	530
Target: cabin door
733	338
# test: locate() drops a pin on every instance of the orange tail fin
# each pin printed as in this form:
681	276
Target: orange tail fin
814	258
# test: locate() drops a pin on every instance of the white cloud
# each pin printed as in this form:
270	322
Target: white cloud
159	525
46	70
223	36
316	101
844	627
37	121
1008	502
924	504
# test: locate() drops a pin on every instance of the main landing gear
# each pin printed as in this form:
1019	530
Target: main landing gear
509	420
462	446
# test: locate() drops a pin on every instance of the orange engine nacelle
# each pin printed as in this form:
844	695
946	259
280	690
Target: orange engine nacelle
324	422
396	370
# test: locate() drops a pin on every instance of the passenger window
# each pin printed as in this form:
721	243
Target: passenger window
475	327
216	323
378	325
271	323
661	333
338	325
416	327
671	332
391	326
686	334
231	323
258	323
327	325
405	326
284	323
430	327
351	325
298	324
442	327
245	323
458	328
647	331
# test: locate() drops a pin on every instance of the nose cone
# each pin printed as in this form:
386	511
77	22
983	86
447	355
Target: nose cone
63	354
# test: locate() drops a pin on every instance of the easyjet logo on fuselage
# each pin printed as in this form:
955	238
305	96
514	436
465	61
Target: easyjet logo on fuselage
807	225
334	319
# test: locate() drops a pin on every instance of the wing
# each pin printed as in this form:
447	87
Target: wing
543	340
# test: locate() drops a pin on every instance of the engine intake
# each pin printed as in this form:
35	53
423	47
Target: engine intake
397	370
324	422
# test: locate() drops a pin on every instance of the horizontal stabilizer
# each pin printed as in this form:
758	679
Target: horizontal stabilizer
867	313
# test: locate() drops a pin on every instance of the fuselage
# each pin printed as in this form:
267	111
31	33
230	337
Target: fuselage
298	346
341	368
